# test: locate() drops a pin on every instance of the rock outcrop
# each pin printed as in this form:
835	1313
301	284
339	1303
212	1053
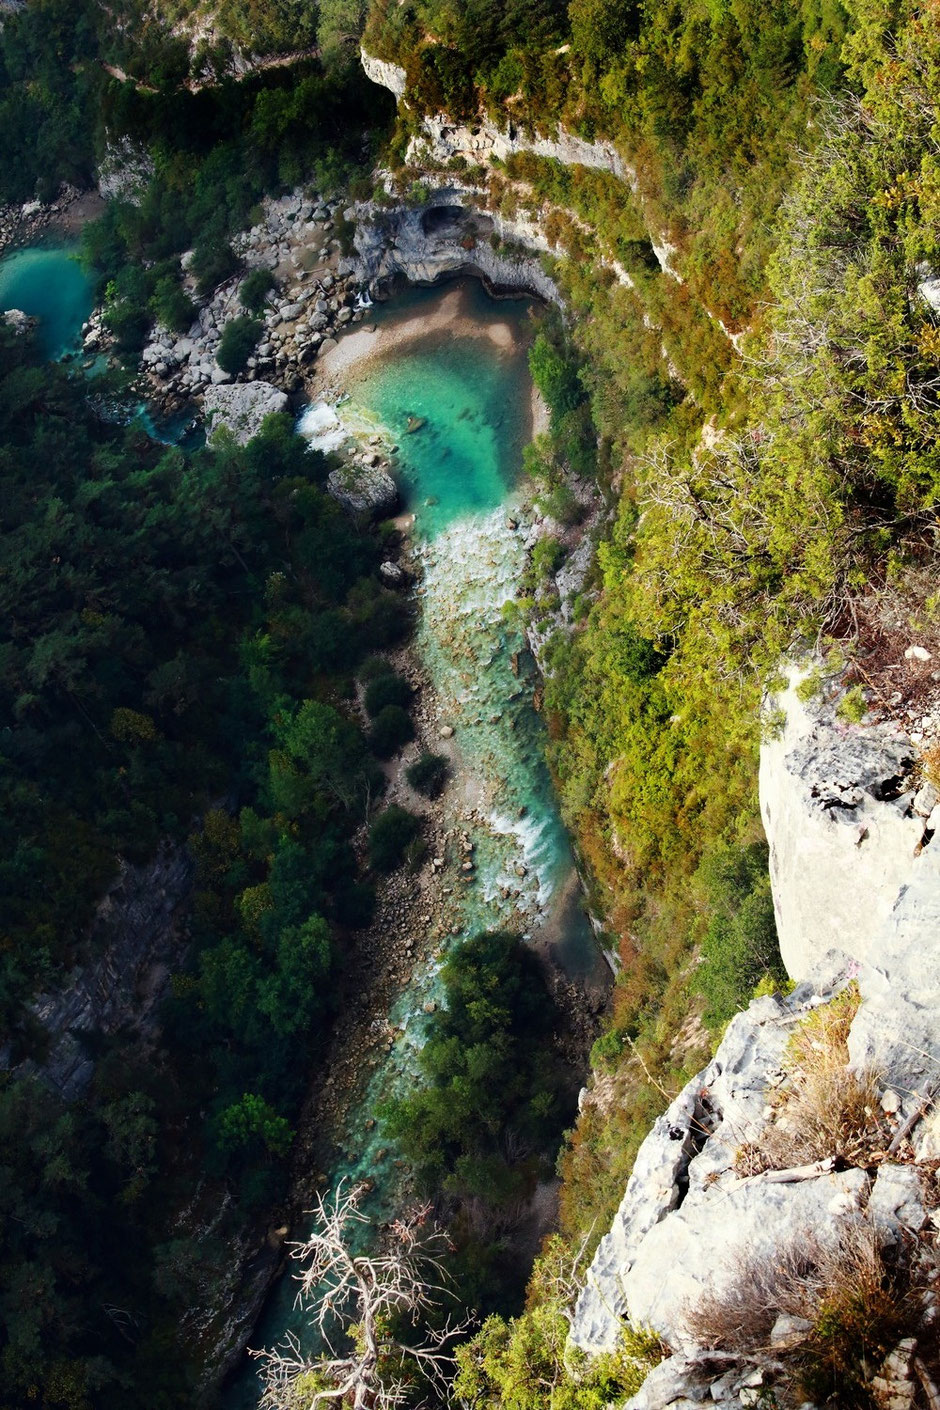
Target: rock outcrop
446	236
692	1222
363	489
844	822
386	75
241	409
134	944
440	140
21	323
856	883
125	172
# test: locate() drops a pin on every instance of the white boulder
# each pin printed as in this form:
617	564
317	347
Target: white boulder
241	408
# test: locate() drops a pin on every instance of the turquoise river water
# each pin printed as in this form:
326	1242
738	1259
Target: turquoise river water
48	283
465	385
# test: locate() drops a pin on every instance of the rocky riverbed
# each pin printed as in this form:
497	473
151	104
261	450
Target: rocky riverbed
25	224
315	295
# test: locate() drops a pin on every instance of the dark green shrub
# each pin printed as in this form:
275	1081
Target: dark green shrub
212	264
428	774
238	342
129	324
390	836
487	1072
387	690
255	289
172	305
391	729
740	946
373	667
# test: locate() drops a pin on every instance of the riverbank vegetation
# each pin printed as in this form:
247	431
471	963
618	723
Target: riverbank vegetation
481	1130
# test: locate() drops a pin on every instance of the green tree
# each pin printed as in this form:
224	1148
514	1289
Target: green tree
390	836
255	289
391	729
489	1087
239	339
251	1121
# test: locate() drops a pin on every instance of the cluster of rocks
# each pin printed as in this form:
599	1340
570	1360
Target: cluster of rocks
313	298
21	225
20	322
96	337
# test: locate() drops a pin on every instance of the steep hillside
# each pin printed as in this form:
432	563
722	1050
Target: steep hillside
739	210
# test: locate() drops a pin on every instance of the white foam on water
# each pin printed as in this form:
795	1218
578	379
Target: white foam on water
533	841
322	427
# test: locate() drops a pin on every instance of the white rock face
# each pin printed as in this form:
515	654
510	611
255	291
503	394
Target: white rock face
20	322
929	290
689	1222
687	1156
856	877
842	829
705	1243
446	236
242	408
442	139
898	1026
386	75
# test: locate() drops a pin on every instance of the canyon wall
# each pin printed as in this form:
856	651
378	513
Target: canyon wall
856	882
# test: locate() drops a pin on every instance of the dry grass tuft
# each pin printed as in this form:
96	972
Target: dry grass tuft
824	1108
853	1304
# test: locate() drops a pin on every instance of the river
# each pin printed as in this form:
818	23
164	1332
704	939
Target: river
48	282
447	382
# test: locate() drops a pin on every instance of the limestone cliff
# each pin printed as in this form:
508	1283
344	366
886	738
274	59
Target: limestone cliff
856	882
440	140
844	820
446	236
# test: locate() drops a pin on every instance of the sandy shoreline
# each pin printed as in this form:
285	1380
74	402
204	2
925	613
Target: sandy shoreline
364	347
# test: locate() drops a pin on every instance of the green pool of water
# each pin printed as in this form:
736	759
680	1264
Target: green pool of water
48	283
465	392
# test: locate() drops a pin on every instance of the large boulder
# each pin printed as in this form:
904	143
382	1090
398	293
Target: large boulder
364	489
20	322
838	811
242	407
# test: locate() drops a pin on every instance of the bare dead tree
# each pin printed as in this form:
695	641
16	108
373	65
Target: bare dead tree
361	1300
